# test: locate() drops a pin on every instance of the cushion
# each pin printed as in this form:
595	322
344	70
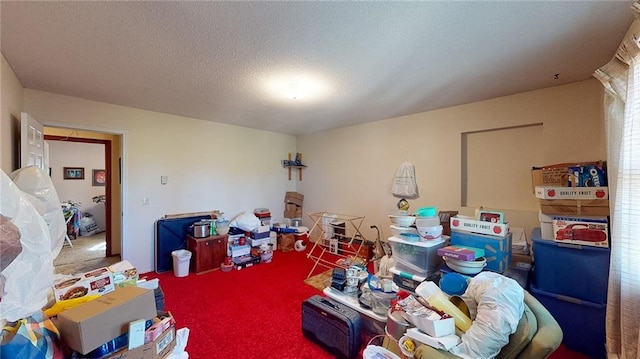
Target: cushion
527	328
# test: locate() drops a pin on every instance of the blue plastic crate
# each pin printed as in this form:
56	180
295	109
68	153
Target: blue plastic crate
569	269
582	322
497	250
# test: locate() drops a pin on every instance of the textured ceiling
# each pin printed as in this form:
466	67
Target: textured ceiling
376	60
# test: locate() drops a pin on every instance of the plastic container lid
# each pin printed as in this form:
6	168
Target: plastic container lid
427	212
453	284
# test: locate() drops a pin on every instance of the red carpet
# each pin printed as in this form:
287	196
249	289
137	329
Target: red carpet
251	313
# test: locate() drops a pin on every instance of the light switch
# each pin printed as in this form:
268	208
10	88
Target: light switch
145	201
163	179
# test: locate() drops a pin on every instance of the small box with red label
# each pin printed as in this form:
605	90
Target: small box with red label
98	281
545	192
589	231
469	224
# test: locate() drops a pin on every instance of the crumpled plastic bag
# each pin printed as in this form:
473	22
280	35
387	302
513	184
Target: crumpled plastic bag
25	282
500	305
246	222
39	189
178	352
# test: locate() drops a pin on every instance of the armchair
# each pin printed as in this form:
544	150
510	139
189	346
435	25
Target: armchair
537	336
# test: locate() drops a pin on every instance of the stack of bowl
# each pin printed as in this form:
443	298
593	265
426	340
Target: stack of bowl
428	223
466	267
401	226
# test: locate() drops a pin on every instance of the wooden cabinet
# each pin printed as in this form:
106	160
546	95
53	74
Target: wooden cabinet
207	253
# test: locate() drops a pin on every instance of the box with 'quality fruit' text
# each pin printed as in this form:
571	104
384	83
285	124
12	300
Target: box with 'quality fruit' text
546	192
470	224
497	250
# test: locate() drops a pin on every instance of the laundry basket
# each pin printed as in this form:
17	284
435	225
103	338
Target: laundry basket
181	261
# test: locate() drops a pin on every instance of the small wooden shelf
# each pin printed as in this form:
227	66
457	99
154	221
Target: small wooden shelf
299	166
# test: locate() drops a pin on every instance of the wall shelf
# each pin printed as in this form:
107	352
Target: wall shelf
294	164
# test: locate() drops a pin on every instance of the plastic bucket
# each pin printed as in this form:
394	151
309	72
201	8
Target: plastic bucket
181	261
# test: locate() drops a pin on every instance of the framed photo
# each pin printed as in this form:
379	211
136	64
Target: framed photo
490	216
99	178
73	173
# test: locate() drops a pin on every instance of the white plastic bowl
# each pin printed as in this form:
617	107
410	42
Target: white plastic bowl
397	230
402	221
430	233
466	267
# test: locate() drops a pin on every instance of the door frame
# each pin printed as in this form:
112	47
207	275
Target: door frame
108	190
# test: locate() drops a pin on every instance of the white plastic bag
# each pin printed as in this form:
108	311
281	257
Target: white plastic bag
500	305
38	188
178	352
404	184
246	222
28	279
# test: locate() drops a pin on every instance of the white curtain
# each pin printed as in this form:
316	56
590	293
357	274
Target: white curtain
621	80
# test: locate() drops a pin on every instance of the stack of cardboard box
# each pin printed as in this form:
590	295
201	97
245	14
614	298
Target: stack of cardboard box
293	205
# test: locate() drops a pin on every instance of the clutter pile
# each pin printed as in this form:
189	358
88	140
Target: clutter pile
105	313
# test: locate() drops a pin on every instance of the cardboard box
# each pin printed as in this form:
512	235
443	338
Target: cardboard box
564	174
99	281
157	349
291	207
293	214
433	324
239	250
469	224
546	226
497	249
294	197
575	207
461	252
124	274
156	330
521	261
588	231
88	326
548	192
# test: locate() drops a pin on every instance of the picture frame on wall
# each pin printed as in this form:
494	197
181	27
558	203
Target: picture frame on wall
73	173
99	178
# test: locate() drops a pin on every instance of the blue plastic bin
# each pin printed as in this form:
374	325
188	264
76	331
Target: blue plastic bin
582	322
570	269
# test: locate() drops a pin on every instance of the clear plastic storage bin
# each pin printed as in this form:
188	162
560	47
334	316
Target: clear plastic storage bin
416	257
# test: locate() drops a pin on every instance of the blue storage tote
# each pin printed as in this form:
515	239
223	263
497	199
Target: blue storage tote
570	269
497	250
582	322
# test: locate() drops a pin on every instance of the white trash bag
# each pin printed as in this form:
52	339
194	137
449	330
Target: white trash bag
404	183
27	280
36	184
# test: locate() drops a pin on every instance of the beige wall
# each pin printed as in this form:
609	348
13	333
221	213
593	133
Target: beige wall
10	107
65	154
209	165
350	170
234	169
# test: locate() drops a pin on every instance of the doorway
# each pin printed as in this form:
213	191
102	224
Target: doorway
107	199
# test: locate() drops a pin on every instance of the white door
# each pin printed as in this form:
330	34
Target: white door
32	146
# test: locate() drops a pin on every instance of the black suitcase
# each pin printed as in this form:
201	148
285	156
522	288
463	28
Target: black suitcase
332	325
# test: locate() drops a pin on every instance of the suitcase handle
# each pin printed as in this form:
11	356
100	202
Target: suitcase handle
328	303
